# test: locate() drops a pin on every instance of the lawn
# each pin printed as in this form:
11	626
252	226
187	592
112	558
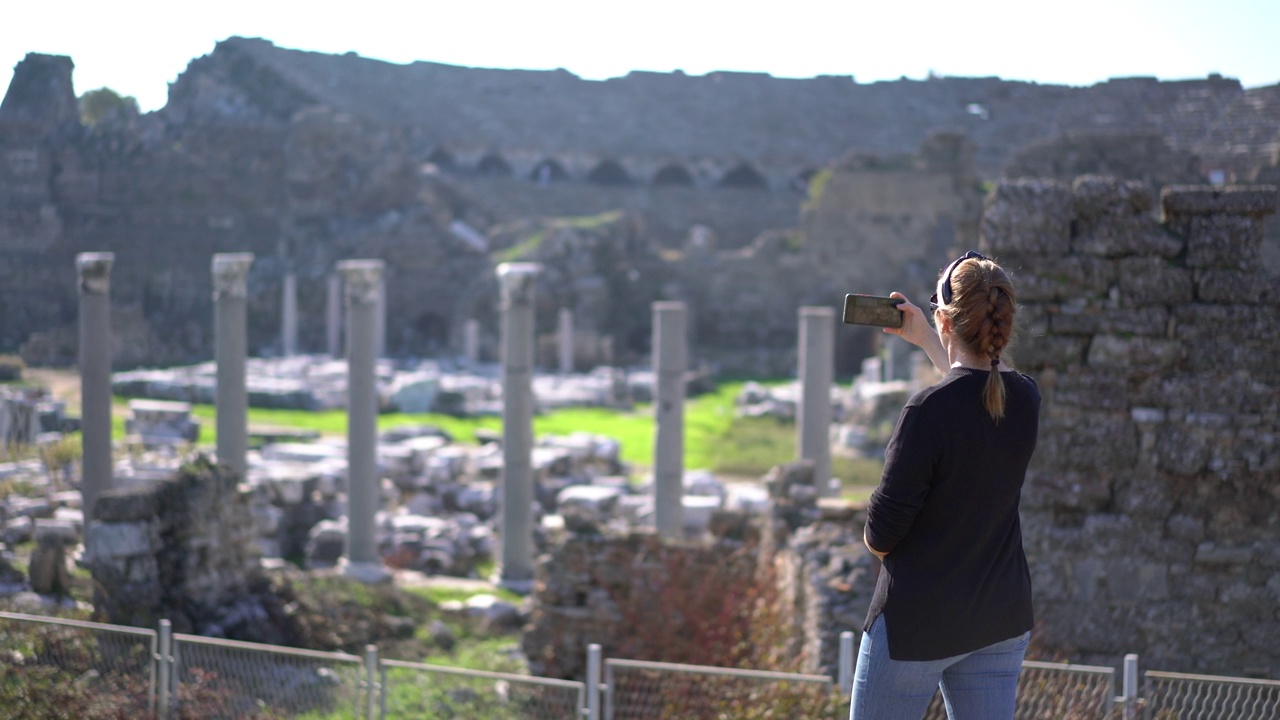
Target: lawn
716	439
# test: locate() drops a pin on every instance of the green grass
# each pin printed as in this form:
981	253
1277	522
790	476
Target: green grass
716	439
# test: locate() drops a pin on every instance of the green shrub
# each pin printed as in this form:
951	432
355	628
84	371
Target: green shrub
11	368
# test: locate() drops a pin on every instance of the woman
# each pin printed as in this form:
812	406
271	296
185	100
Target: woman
952	605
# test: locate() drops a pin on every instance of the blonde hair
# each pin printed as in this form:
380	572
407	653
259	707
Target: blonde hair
981	311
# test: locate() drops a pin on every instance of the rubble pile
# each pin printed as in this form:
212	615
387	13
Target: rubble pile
319	382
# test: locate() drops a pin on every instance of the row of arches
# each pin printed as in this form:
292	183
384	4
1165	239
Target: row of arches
611	173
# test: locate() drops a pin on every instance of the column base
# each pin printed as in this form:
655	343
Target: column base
519	586
369	573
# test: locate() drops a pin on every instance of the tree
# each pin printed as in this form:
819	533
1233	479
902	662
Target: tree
104	103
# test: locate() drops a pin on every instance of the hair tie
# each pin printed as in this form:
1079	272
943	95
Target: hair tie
995	361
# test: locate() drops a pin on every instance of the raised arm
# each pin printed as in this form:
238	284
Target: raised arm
917	331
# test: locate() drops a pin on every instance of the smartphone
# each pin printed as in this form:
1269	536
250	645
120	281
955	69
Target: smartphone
872	310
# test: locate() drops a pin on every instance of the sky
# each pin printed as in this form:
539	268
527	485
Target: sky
138	47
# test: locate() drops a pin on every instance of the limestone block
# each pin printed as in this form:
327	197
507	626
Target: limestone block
1219	325
1027	217
1090	319
105	540
19	530
64	531
1210	553
1087	441
1154	281
1048	489
1091	389
129	503
1247	201
1100	196
47	571
1221	241
1185	528
1053	351
1235	286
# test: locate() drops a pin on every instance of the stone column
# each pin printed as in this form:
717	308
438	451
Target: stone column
289	316
817	366
380	322
333	316
230	350
566	341
95	376
515	561
362	279
471	340
670	353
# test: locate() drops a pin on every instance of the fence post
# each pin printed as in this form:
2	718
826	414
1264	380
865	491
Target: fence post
165	658
1130	686
372	685
846	663
593	681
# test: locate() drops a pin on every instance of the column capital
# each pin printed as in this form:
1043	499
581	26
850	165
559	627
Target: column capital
517	279
95	272
230	272
362	279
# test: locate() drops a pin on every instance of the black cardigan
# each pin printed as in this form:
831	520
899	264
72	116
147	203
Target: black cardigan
946	511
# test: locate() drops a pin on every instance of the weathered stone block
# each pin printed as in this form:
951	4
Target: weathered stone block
1086	441
1215	325
1098	196
1028	216
1221	241
1154	281
1209	553
1091	389
1092	319
1067	278
1255	201
110	540
1045	489
125	504
1234	286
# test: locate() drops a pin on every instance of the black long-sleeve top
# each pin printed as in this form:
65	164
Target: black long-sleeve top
946	511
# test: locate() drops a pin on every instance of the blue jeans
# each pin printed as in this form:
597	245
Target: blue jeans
980	685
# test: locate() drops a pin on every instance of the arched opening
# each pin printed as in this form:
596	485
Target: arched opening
493	165
609	172
800	183
547	172
442	159
432	331
743	176
673	175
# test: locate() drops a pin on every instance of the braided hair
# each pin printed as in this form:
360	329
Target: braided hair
982	307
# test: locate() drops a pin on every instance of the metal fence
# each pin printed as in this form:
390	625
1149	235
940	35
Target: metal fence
212	679
639	690
81	669
419	690
1179	696
91	670
1057	690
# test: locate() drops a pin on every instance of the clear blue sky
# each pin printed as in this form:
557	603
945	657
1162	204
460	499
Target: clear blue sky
137	47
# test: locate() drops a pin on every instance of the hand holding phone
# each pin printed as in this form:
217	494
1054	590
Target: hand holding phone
872	310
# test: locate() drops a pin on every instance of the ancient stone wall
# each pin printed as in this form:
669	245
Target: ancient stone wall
179	548
1150	509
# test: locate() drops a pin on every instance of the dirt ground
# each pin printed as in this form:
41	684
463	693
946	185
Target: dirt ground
63	384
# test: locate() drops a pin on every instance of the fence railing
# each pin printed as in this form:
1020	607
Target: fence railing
1168	695
637	690
420	690
100	670
215	679
80	667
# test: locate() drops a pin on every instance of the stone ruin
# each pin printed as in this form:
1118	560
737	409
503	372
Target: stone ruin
1151	503
700	189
